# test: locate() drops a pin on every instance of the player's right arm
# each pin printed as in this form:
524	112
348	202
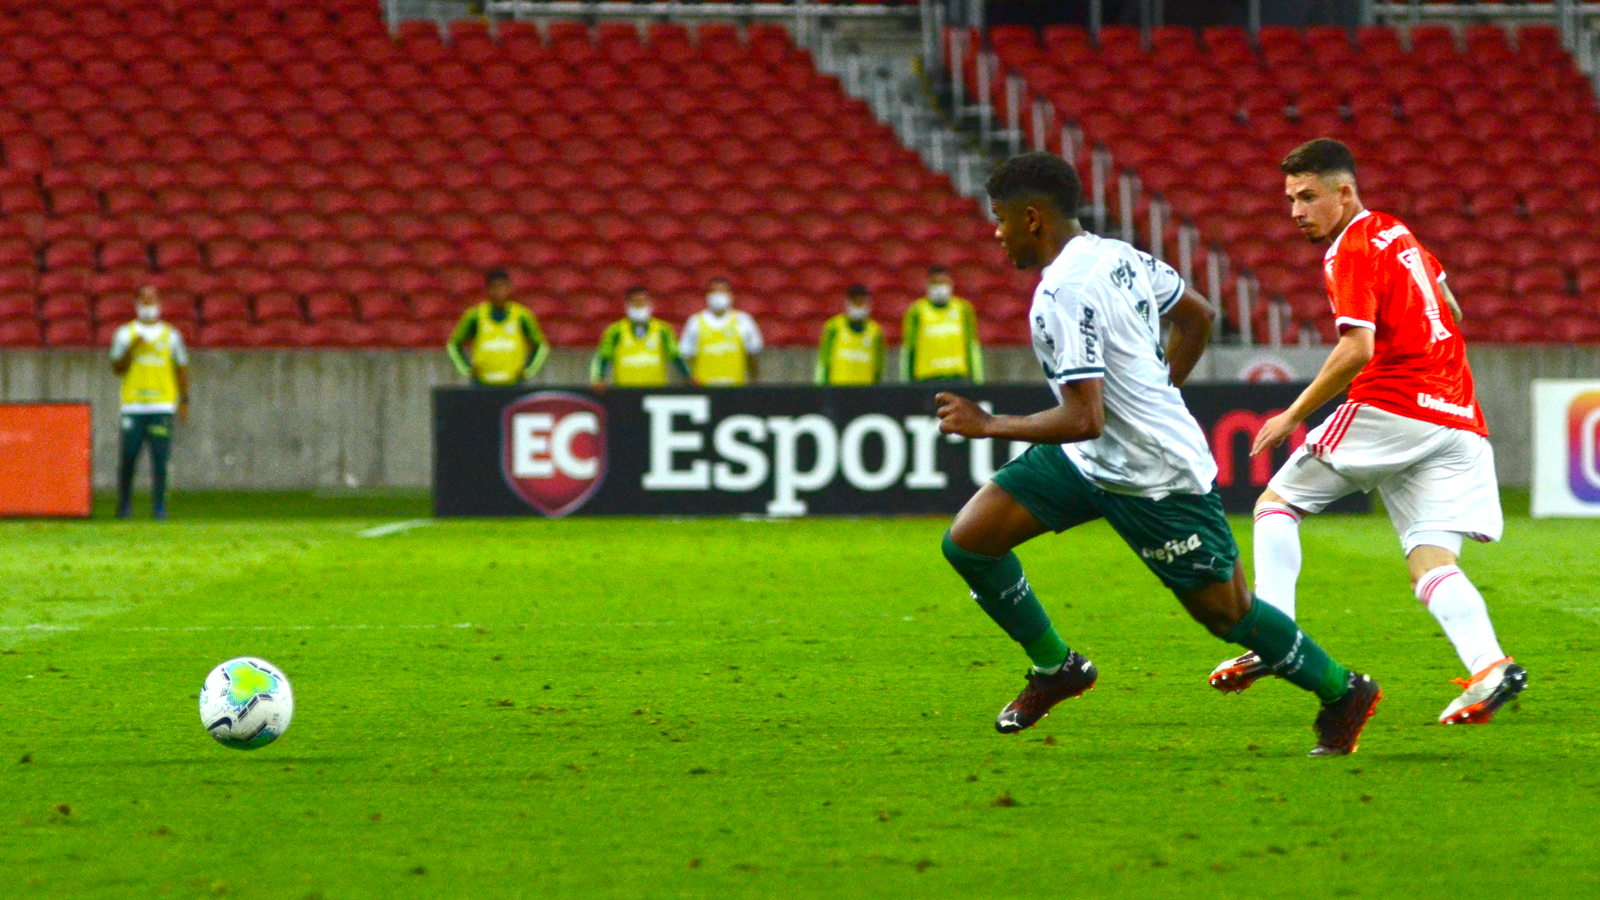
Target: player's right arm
123	343
600	365
1353	352
1080	417
459	338
819	373
908	342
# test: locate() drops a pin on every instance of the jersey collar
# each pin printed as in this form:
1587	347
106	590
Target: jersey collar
1045	272
1334	247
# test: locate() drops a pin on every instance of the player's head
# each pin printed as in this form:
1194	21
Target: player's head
719	295
498	285
147	304
1033	195
1320	182
857	303
941	287
639	306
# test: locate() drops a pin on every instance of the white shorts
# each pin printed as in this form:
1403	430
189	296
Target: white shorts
1432	478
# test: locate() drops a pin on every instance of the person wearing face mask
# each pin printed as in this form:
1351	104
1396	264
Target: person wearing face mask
852	348
720	342
940	335
638	350
149	356
507	345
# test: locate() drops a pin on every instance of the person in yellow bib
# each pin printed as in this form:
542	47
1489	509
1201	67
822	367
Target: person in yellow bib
719	342
939	337
637	351
507	345
149	356
852	349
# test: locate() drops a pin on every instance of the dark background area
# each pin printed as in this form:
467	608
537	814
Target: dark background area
1176	12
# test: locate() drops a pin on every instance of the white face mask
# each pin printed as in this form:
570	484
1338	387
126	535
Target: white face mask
719	301
639	315
148	312
939	293
857	313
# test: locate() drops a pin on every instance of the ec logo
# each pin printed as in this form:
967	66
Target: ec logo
553	450
1583	446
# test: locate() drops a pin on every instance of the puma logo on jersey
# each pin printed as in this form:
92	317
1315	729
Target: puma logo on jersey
1388	235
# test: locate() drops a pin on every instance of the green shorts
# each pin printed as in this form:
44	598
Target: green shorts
1183	538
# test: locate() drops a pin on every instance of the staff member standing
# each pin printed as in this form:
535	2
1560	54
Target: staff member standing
150	357
638	350
720	342
507	345
852	348
940	335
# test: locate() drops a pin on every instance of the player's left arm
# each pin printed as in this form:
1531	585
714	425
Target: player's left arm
180	368
1450	300
541	347
183	393
1080	417
1191	319
1353	351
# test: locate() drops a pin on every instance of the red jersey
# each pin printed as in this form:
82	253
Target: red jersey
1380	277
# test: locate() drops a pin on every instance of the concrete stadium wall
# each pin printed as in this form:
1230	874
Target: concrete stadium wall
296	419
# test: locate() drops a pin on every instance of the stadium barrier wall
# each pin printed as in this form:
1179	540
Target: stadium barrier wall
775	451
326	419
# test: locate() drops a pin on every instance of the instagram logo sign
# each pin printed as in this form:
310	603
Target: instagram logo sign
1583	446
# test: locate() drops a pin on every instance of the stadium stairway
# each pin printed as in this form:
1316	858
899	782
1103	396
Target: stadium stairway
1483	140
293	175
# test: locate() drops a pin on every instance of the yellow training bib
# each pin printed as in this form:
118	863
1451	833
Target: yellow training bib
720	358
853	358
941	350
641	361
151	377
500	349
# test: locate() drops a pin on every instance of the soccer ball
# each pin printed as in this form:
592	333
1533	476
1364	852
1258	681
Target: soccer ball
246	703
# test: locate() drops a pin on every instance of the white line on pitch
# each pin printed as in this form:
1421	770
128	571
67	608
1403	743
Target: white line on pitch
395	527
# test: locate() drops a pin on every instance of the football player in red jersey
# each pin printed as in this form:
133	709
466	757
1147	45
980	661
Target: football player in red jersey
1411	427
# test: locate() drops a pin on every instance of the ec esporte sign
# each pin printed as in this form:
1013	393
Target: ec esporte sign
784	451
872	452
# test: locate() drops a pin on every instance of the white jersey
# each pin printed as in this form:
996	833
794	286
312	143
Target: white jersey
1097	314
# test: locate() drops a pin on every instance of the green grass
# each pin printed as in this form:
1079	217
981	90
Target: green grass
641	708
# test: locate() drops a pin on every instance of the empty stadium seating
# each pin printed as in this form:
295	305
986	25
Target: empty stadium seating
293	175
1484	141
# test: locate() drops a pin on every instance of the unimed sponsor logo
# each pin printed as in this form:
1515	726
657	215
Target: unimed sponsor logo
1583	446
793	455
553	450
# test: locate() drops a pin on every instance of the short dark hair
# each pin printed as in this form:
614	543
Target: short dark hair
636	289
856	290
719	280
494	275
937	270
1321	157
1037	174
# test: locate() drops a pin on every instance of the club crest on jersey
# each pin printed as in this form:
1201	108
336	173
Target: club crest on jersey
553	450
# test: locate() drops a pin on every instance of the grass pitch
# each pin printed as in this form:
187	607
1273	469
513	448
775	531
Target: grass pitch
640	708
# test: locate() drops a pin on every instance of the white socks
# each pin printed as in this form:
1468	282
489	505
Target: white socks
1277	555
1460	611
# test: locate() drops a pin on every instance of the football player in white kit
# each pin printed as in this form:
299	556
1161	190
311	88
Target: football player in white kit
1118	445
1411	428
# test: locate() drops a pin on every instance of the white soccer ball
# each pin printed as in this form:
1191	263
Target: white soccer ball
246	703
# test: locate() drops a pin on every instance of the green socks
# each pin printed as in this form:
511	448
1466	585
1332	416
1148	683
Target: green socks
1003	591
1289	652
